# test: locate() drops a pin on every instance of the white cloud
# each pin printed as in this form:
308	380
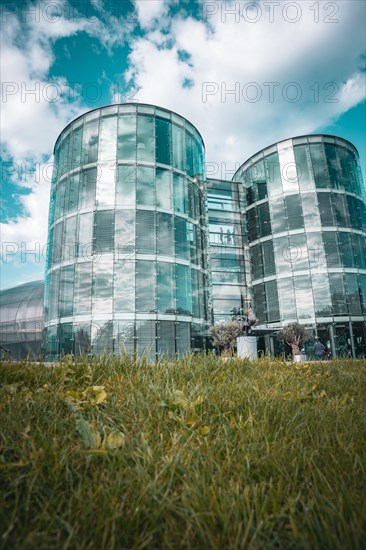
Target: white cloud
150	12
322	59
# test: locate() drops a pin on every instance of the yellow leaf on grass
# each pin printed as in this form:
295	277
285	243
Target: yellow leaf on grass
204	430
96	394
114	440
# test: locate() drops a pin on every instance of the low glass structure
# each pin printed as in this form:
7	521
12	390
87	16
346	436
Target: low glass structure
127	253
304	214
21	321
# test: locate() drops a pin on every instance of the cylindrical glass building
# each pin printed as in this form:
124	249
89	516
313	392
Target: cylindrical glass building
127	265
303	204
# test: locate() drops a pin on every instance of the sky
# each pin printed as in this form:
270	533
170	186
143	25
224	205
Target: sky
245	73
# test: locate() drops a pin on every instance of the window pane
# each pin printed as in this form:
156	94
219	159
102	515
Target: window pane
256	261
340	210
75	153
87	188
90	142
278	218
69	243
183	336
103	285
163	188
83	286
66	291
179	191
178	147
124	332
184	293
331	249
352	293
189	154
325	208
85	237
290	183
145	339
126	185
126	146
145	138
339	305
319	166
264	220
165	285
310	210
302	158
163	141
102	337
166	338
334	167
304	297
268	258
103	240
164	234
124	287
181	238
54	294
345	246
321	292
273	175
105	193
294	212
145	287
125	233
145	186
273	310
286	298
72	193
145	232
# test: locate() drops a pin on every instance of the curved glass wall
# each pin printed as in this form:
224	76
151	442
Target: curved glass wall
21	321
303	202
126	266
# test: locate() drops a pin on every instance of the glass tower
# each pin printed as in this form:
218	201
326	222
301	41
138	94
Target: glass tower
227	265
304	213
126	263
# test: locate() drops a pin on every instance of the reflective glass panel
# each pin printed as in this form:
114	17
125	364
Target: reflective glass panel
103	285
145	286
166	288
126	145
83	287
163	141
145	138
126	185
163	188
124	286
145	186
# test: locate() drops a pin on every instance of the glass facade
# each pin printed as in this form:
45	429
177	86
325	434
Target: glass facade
137	238
304	214
227	264
21	321
127	254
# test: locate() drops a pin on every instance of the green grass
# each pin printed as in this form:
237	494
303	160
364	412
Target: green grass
195	453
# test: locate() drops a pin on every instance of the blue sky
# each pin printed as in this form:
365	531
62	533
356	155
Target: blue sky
247	74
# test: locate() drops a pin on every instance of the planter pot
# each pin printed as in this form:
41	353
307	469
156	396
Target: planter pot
299	358
247	347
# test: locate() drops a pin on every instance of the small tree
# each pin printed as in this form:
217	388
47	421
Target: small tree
294	335
224	335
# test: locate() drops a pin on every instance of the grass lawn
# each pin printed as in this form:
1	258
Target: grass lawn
195	453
